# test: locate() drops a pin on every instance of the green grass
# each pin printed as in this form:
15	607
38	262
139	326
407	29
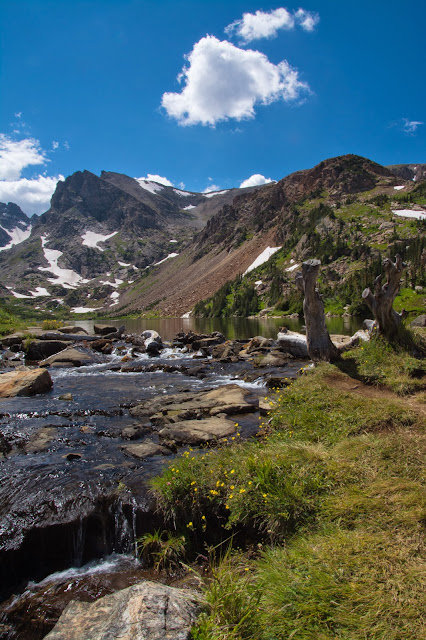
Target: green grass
377	362
328	506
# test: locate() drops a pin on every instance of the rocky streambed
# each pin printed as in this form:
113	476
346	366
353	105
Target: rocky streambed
76	458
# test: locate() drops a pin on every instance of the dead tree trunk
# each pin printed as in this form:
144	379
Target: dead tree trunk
320	346
388	321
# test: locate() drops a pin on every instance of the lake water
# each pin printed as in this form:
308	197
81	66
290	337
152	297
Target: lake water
232	328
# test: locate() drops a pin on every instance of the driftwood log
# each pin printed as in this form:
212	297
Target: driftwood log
388	321
320	346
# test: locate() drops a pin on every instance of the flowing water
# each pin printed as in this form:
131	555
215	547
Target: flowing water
69	495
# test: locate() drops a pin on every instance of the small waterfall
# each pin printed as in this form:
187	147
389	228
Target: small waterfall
78	542
124	534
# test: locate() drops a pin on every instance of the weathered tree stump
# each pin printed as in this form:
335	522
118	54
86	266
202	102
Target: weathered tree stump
388	321
320	346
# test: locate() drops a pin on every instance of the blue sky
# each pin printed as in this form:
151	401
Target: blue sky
94	85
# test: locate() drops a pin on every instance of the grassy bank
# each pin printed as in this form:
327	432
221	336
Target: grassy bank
314	530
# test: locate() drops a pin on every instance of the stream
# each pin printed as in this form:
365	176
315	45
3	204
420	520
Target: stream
72	501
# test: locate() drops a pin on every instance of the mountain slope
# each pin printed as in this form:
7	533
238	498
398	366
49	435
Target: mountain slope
98	234
339	211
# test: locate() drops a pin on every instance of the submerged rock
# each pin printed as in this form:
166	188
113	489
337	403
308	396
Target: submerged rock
148	611
145	449
24	382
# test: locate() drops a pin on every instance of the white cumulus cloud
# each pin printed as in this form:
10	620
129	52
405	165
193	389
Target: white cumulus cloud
153	177
223	81
33	196
265	24
211	188
255	180
15	155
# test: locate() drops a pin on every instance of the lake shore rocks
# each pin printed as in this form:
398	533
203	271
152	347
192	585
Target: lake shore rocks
24	382
148	611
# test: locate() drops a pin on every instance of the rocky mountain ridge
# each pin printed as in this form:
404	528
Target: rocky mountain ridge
115	244
99	232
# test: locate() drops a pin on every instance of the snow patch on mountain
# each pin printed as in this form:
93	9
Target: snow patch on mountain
66	277
152	187
410	213
116	283
17	235
190	206
92	239
171	255
215	193
182	193
263	257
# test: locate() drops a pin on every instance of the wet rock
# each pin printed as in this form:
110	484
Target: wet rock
14	338
41	440
278	381
5	446
198	431
72	456
227	351
41	349
101	344
274	359
104	329
162	410
133	432
24	382
145	449
69	356
72	329
66	396
148	610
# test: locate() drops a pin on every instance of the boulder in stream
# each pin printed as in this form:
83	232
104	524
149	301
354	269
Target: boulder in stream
69	357
198	431
147	610
24	382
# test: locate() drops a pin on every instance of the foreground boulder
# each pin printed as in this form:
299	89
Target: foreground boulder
146	611
24	382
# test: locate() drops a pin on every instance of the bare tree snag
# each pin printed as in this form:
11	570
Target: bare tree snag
387	319
320	346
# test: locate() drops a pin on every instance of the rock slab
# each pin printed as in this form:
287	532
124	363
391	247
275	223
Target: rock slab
145	611
24	382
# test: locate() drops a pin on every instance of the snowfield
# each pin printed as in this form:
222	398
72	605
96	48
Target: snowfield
152	187
410	213
66	277
92	239
263	257
17	235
